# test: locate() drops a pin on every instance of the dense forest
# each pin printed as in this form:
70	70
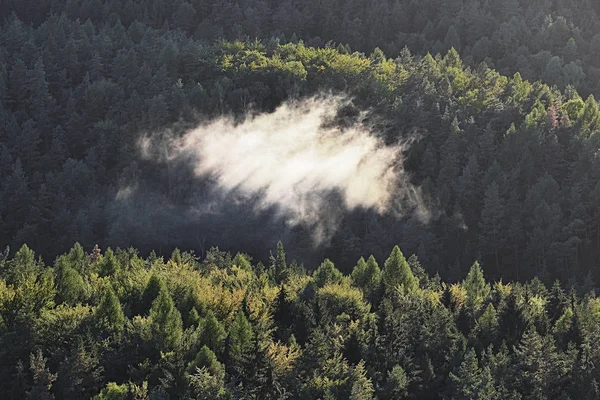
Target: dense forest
555	40
113	325
489	107
507	168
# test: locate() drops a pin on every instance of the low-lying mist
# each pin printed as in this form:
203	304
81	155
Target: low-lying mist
295	172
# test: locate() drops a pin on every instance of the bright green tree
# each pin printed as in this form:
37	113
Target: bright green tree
397	272
109	315
166	323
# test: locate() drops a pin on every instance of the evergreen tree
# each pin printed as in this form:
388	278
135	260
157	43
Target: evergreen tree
43	379
69	283
166	323
512	320
470	381
557	302
487	326
240	341
109	315
362	387
278	264
476	287
326	273
109	265
212	333
151	292
397	272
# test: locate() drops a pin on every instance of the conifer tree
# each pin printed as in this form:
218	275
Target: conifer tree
240	341
43	379
109	264
109	315
397	272
166	323
212	333
476	287
326	273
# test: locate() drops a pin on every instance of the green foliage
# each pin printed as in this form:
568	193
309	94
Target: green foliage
212	333
397	273
476	287
69	283
279	269
326	273
471	382
109	265
109	315
207	359
367	276
166	323
440	341
239	341
508	166
397	382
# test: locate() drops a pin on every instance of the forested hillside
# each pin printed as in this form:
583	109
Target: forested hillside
508	168
485	109
555	40
113	325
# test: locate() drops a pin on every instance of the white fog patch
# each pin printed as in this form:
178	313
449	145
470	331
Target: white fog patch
293	159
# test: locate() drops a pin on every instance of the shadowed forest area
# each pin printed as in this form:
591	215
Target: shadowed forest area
490	106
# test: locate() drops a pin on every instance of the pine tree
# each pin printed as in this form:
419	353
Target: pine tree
512	320
283	314
240	341
80	374
535	356
397	382
589	120
476	287
70	284
279	266
151	291
207	359
109	265
557	302
212	333
167	326
367	275
109	315
487	326
397	272
326	273
362	387
42	378
471	382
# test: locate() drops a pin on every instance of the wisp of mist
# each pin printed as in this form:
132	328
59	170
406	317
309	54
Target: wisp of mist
294	160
